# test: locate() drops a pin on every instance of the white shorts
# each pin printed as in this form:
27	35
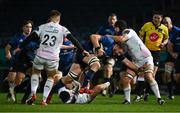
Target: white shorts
82	98
41	63
148	60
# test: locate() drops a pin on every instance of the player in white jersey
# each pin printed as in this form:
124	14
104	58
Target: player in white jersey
141	57
51	37
72	95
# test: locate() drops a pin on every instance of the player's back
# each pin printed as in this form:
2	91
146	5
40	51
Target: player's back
51	36
136	48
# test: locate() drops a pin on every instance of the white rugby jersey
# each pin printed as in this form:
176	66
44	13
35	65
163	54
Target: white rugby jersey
136	47
51	35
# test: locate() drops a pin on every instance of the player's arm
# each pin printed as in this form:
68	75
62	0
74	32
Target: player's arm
128	63
170	49
142	32
95	41
7	51
68	46
76	43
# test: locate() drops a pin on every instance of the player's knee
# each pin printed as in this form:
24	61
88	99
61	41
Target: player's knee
126	79
95	66
168	68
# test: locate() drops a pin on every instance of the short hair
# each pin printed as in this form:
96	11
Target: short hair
25	22
158	13
113	14
54	13
121	24
64	96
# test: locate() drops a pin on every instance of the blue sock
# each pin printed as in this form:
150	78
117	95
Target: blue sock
88	77
107	80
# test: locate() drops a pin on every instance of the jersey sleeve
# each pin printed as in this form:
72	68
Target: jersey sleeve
142	31
38	30
65	31
128	33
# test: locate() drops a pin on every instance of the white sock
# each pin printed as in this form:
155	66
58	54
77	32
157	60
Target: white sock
34	83
107	84
47	88
127	94
155	89
11	84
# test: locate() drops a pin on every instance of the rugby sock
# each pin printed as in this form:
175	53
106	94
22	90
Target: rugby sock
107	80
170	88
88	77
140	87
107	84
47	88
34	83
127	93
27	93
155	89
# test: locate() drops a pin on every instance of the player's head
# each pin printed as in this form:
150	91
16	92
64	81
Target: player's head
167	22
157	18
27	27
64	96
119	49
55	16
120	25
112	19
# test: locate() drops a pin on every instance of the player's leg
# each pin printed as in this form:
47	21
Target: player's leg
36	74
108	72
126	80
153	84
98	89
93	63
168	78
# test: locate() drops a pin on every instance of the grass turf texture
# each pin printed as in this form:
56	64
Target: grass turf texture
100	104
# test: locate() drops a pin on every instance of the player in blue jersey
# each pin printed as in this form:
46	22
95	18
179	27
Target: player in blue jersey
173	49
66	56
10	49
108	28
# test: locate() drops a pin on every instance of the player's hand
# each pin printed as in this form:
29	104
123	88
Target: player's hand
85	53
162	45
174	55
16	50
100	52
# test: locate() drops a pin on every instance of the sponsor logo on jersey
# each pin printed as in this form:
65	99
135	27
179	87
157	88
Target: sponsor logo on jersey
153	37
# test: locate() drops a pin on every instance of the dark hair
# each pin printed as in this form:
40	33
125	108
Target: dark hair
158	13
64	96
25	22
121	24
113	14
54	13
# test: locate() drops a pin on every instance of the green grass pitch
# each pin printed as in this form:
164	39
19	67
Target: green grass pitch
100	104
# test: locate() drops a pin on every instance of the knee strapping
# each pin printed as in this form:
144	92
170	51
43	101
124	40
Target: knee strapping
93	60
129	76
73	75
168	68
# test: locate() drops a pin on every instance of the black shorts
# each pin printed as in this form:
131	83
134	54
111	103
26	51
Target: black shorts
78	59
156	57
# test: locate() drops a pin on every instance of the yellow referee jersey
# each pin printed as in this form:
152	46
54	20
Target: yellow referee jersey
153	36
